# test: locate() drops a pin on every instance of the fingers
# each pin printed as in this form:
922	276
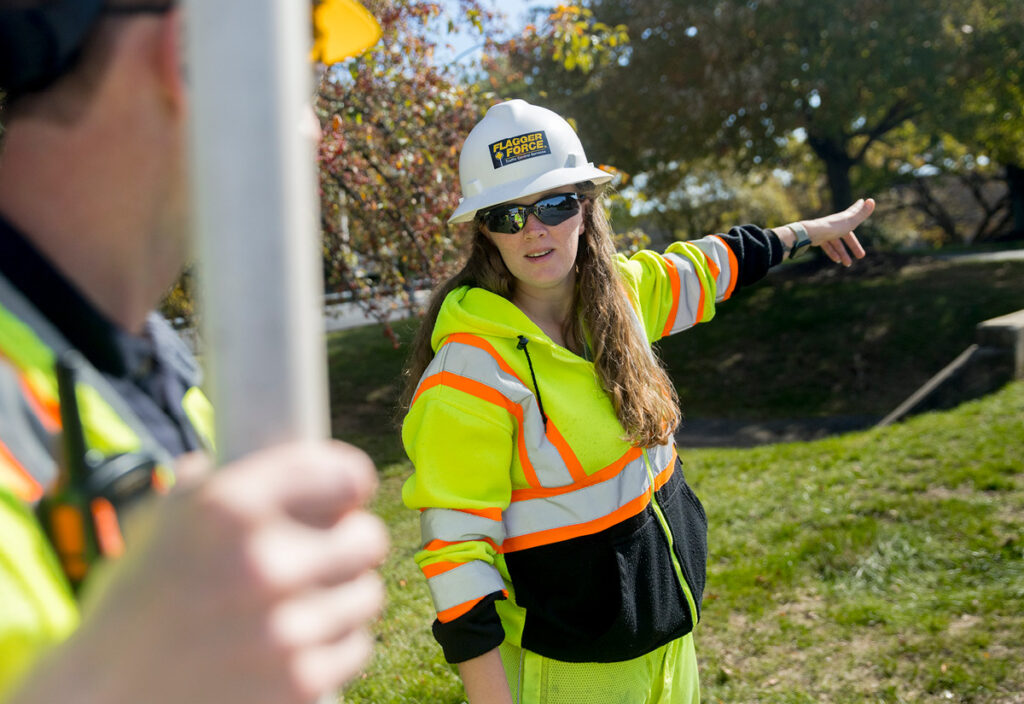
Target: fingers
314	483
327	615
860	211
325	668
854	245
835	233
290	556
832	251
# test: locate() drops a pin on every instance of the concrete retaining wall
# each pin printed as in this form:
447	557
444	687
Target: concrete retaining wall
996	358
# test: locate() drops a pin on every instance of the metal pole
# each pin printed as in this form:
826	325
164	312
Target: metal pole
254	193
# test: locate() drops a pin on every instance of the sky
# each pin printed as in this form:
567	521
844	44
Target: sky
464	45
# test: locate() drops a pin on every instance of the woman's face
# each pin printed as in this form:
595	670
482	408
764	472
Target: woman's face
542	258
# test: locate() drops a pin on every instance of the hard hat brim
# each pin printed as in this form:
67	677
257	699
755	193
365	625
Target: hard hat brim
341	29
529	186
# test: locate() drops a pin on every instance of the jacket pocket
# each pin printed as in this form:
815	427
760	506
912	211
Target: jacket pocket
689	524
606	597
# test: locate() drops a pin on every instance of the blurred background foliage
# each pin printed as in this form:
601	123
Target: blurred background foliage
710	112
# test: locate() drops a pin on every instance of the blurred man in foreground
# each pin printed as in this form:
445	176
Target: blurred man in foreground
252	584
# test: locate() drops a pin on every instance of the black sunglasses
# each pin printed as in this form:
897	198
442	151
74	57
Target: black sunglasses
552	210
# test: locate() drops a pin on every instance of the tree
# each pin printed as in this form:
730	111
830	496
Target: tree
740	76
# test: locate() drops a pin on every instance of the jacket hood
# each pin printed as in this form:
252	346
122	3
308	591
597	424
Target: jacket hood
480	312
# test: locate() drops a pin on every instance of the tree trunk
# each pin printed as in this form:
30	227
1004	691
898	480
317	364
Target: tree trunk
837	169
1015	182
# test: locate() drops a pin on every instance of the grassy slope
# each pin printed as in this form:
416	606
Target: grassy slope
882	566
885	566
841	344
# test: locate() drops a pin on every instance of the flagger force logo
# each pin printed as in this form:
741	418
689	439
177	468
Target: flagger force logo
524	146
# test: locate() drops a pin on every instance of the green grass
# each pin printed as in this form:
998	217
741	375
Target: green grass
837	344
884	566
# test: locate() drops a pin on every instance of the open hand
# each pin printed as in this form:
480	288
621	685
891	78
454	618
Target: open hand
835	233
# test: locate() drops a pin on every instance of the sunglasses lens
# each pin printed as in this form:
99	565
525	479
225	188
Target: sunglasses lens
507	221
557	209
553	210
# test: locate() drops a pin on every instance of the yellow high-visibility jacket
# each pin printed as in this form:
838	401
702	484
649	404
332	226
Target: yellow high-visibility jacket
37	609
540	524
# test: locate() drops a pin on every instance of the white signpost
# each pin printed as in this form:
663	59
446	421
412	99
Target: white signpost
254	189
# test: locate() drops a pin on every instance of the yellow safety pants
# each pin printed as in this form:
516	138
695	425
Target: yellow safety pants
667	675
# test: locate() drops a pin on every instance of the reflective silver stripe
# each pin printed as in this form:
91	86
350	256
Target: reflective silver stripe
454	526
717	251
662	458
466	582
22	309
477	364
22	433
588	503
689	292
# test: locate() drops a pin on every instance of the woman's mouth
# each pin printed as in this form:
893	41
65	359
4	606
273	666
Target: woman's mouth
538	255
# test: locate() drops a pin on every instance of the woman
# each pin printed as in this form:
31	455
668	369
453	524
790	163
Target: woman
564	551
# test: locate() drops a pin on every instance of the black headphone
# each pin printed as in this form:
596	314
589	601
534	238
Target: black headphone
38	44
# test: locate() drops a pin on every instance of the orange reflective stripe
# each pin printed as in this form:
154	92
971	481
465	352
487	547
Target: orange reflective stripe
556	535
46	410
486	393
596	478
438	544
568	456
715	271
551	431
467	385
454	612
700	300
493	514
673	278
436	568
733	268
108	529
466	338
17	478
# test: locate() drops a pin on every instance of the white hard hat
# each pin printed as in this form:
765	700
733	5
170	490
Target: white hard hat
519	149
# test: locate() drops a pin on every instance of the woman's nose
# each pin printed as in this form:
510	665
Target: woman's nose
533	226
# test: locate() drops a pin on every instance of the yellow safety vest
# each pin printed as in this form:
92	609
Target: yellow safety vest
526	491
37	608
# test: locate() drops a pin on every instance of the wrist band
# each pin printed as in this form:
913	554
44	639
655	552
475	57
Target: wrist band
802	241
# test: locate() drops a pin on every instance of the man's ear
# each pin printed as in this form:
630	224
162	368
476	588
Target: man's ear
171	59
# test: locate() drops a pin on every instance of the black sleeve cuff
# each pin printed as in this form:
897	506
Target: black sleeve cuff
756	249
474	633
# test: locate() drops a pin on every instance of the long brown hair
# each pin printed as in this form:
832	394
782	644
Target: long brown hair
644	398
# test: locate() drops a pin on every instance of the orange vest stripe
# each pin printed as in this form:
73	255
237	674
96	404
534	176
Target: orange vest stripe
733	268
20	482
556	535
673	278
552	433
596	478
454	612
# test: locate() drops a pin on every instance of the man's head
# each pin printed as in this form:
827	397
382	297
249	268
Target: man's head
92	164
